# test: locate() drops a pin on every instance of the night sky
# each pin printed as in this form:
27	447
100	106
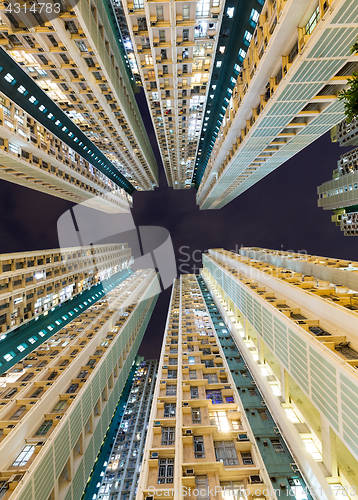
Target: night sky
279	212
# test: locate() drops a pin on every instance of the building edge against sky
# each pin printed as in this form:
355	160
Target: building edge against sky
56	404
122	472
297	334
286	94
87	76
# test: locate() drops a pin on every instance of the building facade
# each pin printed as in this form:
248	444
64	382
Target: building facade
286	94
122	472
341	193
297	333
57	402
200	443
77	59
31	283
175	45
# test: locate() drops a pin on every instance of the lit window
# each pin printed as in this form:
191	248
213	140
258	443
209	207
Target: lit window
9	78
218	64
312	448
254	17
222	49
242	53
24	456
247	37
230	12
21	89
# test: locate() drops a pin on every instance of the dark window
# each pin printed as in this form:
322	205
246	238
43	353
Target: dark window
166	470
199	451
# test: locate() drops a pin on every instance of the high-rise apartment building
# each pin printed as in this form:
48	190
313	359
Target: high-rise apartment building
78	63
339	271
201	443
32	283
297	333
285	96
122	472
175	46
57	402
341	193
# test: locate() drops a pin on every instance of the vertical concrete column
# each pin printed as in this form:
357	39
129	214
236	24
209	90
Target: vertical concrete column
329	448
285	385
260	348
246	328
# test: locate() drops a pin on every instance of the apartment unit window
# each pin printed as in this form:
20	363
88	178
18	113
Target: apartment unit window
209	363
171	390
225	452
169	409
185	34
194	392
219	418
247	458
277	445
252	392
162	35
145	42
196	415
263	414
172	373
173	350
215	396
44	428
202	485
160	13
168	436
166	470
18	413
174	341
24	456
190	346
212	378
173	361
312	22
192	374
233	490
199	451
191	360
186	12
203	8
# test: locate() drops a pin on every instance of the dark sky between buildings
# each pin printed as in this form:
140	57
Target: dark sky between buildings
279	212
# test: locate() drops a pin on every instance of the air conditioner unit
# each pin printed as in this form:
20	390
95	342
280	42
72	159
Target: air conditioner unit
255	479
188	432
15	478
227	387
149	498
263	403
242	437
185	367
222	371
154	454
165	367
162	381
157	423
189	472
